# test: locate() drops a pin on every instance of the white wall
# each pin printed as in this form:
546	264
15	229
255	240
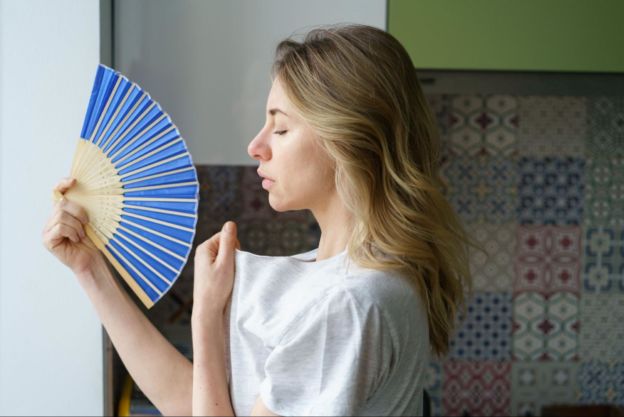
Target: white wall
207	62
50	337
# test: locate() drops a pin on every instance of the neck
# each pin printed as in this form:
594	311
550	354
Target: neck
335	222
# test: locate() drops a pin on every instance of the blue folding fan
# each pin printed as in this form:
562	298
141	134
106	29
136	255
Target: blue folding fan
136	179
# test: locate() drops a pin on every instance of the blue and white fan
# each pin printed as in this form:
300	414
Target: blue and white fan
136	179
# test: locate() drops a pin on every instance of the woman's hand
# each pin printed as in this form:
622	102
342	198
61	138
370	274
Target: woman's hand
214	273
64	233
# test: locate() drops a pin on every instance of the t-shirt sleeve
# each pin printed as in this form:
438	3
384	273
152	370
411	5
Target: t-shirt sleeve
330	361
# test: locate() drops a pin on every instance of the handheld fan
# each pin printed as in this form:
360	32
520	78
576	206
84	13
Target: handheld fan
136	180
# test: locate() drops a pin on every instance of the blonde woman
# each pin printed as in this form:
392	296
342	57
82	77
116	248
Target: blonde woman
347	328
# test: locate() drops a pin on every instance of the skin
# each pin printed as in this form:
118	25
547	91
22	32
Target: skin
288	152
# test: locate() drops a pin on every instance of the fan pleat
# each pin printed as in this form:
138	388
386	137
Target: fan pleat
175	162
186	222
163	204
113	110
138	184
103	87
158	133
138	128
130	102
159	140
134	118
170	177
161	227
173	148
183	190
158	275
149	243
174	245
164	257
96	84
138	277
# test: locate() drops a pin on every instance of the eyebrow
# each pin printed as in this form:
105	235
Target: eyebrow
276	110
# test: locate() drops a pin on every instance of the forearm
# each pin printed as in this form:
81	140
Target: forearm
211	396
163	374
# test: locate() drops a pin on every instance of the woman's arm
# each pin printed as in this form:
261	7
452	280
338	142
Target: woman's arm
163	374
211	396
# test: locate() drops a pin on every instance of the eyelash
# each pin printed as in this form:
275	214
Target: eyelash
280	132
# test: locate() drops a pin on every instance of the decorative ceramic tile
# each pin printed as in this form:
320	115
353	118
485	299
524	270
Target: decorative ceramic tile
548	259
550	190
278	237
602	382
552	125
493	270
545	328
220	192
604	192
483	125
433	386
476	388
485	332
603	257
481	189
438	103
606	127
602	327
538	384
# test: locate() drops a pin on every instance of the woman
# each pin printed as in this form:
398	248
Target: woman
346	328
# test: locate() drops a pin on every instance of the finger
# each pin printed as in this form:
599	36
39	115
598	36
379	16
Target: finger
64	185
227	242
59	232
75	209
209	247
61	216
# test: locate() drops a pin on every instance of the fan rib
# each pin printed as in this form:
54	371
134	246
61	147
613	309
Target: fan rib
162	174
143	263
162	248
159	187
129	93
109	100
161	222
137	137
146	143
165	264
147	301
152	165
147	155
157	233
142	115
120	102
156	210
99	116
139	274
175	200
140	101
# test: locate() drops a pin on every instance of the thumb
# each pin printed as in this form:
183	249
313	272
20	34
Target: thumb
228	241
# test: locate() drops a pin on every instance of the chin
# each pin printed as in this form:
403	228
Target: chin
282	206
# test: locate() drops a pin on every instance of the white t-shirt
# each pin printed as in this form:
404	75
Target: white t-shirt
324	338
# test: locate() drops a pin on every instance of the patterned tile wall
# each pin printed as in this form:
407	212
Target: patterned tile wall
539	181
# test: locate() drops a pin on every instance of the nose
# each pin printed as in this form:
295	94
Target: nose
259	148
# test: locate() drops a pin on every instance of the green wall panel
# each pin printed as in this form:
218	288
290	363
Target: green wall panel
517	35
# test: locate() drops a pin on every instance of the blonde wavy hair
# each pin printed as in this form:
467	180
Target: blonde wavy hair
356	86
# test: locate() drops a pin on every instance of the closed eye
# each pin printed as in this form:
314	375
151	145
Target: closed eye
280	132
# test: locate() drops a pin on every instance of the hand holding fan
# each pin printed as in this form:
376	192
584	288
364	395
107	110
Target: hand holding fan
136	180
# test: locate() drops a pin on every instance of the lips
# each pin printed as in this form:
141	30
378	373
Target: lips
264	176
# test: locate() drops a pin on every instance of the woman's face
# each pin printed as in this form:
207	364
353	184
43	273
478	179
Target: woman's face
287	149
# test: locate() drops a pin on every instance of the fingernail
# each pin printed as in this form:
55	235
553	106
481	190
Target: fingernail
229	227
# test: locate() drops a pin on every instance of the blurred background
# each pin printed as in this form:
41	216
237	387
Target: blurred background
529	99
